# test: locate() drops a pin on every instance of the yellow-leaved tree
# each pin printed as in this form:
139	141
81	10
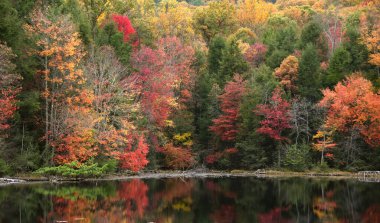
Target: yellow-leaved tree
68	112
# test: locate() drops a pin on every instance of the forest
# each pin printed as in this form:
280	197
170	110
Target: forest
101	86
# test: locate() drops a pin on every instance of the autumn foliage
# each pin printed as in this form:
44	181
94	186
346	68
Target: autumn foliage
255	54
209	81
135	157
225	126
162	74
353	105
124	25
276	116
177	157
216	156
287	73
9	86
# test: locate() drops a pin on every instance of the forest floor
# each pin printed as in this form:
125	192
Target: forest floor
329	174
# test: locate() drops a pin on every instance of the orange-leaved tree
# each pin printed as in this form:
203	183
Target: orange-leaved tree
287	73
324	141
68	112
353	105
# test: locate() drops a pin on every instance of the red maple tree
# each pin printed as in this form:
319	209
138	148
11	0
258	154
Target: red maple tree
226	125
135	158
276	116
124	25
9	86
163	78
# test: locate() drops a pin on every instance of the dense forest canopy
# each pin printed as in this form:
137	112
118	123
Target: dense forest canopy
167	84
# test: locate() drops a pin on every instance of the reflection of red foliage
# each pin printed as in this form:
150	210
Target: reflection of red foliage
134	193
225	214
329	194
70	210
325	205
214	187
127	206
372	214
274	216
175	188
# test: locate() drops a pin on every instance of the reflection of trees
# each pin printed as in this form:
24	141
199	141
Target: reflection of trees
173	189
242	200
214	187
225	214
372	214
133	193
96	204
172	200
324	207
274	215
222	193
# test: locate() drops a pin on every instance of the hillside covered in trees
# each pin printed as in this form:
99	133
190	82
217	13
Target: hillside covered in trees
106	85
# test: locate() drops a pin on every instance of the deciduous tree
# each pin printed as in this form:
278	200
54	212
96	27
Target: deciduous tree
353	105
324	141
226	125
124	25
216	18
134	157
162	75
254	13
276	116
9	86
67	101
276	119
287	73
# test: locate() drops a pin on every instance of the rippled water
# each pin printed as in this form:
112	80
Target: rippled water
193	200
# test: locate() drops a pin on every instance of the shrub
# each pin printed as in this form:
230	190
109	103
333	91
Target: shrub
297	157
178	157
77	170
4	168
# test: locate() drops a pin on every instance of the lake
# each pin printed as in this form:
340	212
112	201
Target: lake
200	200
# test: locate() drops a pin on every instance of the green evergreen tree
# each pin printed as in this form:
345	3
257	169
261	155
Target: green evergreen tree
354	45
232	62
310	34
280	42
261	83
217	45
308	78
339	66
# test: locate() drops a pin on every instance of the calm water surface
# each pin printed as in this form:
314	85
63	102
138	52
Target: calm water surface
193	200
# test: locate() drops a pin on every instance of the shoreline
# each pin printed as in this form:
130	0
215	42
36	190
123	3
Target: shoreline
267	174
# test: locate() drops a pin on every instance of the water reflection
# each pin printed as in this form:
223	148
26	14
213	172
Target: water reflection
193	200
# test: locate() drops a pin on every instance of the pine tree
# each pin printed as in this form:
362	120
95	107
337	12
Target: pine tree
308	78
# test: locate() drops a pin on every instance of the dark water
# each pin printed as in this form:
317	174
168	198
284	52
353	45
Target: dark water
193	200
